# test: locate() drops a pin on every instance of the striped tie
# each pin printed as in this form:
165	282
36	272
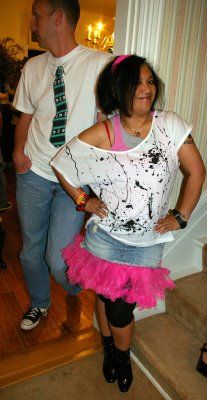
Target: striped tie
57	137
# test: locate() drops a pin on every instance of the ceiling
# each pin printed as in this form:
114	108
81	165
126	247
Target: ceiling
103	7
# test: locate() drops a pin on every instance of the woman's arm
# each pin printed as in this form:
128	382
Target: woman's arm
193	170
93	205
95	136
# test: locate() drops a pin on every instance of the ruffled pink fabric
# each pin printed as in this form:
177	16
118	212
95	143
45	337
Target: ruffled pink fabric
141	285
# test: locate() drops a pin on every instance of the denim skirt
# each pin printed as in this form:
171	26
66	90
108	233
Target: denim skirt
102	245
117	270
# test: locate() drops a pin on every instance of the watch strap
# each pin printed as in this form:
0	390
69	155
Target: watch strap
179	219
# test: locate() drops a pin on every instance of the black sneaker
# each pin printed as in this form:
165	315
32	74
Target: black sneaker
7	206
32	318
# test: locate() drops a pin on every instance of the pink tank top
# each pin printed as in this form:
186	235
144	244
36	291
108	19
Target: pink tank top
119	144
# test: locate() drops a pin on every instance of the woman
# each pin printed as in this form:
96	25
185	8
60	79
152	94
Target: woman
130	161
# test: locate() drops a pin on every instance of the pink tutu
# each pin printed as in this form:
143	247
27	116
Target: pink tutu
141	285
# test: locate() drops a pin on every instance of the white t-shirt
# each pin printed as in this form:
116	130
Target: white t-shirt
35	96
134	184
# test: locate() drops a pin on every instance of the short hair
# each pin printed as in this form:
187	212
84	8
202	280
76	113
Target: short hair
71	10
117	85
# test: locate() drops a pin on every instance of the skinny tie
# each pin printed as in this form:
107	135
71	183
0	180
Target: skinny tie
57	137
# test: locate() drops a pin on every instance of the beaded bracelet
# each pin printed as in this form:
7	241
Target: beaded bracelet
81	198
82	201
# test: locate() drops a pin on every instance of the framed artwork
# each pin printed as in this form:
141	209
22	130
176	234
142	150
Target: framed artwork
33	42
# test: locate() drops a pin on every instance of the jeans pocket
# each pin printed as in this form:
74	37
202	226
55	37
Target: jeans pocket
23	173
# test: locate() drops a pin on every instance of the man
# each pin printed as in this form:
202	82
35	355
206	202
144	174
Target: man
56	97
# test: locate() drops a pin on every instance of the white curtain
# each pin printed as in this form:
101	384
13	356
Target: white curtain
172	35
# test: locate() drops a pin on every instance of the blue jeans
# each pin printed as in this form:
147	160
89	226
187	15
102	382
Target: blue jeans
49	222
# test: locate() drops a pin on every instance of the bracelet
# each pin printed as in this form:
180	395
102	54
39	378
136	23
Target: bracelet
82	201
81	198
178	216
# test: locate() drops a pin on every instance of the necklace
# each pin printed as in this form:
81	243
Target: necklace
136	131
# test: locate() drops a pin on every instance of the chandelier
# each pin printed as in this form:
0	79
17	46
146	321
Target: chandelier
96	40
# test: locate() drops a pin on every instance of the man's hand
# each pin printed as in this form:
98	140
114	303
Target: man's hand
21	161
96	206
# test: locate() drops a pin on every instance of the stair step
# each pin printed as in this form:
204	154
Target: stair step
201	250
201	241
18	367
170	353
199	253
188	304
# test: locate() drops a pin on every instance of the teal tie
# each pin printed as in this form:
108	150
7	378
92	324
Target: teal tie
57	137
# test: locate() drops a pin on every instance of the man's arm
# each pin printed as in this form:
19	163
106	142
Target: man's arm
21	161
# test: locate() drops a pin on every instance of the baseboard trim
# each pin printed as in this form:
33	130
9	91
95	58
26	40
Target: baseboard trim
150	377
198	214
185	272
141	314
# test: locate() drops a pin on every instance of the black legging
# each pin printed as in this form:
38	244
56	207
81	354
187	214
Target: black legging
119	313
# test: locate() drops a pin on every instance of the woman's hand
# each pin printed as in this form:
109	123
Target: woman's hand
166	224
96	206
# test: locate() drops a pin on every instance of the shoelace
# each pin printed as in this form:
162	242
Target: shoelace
33	312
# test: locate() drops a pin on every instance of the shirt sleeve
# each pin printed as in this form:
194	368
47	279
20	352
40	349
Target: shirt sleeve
22	98
178	129
66	161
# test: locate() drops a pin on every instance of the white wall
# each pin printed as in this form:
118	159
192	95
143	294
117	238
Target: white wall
172	34
15	18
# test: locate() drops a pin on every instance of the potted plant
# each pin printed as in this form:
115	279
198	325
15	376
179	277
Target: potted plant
11	63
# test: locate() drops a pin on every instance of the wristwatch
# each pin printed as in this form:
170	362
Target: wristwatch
178	216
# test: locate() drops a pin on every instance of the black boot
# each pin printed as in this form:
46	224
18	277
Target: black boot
109	370
124	369
201	365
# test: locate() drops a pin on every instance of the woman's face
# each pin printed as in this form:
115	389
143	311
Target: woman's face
145	92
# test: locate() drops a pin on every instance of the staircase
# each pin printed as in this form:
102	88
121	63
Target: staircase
167	345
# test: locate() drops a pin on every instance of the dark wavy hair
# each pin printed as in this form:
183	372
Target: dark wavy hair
117	85
71	10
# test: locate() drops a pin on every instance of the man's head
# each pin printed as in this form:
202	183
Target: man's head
71	9
47	15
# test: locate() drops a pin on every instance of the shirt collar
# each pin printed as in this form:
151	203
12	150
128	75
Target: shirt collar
66	61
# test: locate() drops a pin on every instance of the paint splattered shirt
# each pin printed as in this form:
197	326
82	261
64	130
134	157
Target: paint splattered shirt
135	184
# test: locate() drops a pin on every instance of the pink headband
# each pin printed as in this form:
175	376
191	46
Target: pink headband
119	60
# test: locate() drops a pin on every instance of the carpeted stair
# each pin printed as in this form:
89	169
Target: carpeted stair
168	344
79	380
